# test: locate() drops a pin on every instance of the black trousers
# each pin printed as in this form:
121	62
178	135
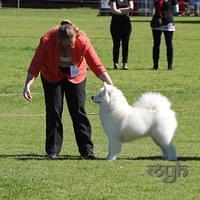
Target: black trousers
120	29
75	97
156	46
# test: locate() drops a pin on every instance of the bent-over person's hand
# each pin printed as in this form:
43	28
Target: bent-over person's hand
28	83
27	94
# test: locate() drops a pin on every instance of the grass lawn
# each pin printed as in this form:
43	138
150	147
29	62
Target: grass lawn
26	174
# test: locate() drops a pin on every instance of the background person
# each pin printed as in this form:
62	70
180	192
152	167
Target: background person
62	58
120	29
162	21
197	7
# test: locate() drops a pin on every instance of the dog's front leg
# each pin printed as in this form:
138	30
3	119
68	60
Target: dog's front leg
114	148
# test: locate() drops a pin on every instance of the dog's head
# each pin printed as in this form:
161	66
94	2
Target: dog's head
106	93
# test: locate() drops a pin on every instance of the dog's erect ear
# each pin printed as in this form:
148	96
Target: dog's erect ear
105	84
108	88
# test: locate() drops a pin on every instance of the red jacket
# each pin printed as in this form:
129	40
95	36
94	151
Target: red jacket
47	56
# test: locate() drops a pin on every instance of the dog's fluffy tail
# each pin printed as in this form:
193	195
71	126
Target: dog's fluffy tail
152	100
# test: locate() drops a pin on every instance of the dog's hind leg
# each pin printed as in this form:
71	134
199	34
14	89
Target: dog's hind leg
114	148
169	151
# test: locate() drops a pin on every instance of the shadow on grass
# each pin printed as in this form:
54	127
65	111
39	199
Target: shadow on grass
184	158
138	69
24	157
37	157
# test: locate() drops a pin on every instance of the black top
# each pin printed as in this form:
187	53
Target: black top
121	3
164	10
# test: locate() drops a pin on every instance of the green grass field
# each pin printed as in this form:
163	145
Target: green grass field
26	174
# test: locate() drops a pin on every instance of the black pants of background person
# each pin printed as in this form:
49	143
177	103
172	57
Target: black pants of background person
75	97
156	47
120	29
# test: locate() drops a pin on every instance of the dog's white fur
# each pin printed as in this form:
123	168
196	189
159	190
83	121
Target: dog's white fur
151	116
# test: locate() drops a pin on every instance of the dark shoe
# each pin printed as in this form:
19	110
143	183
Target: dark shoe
155	67
88	157
170	67
52	156
124	66
115	66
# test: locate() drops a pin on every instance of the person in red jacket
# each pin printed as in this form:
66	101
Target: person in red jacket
61	59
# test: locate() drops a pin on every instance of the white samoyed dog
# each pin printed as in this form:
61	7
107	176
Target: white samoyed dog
150	116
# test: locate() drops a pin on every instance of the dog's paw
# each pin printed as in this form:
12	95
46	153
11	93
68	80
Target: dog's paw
172	159
169	158
110	158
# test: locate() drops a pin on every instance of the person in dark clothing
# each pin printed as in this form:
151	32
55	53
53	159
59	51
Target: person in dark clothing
162	21
120	29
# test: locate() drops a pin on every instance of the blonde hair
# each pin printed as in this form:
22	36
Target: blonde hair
67	25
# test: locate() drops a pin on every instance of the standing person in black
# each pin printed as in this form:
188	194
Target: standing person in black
162	21
120	29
